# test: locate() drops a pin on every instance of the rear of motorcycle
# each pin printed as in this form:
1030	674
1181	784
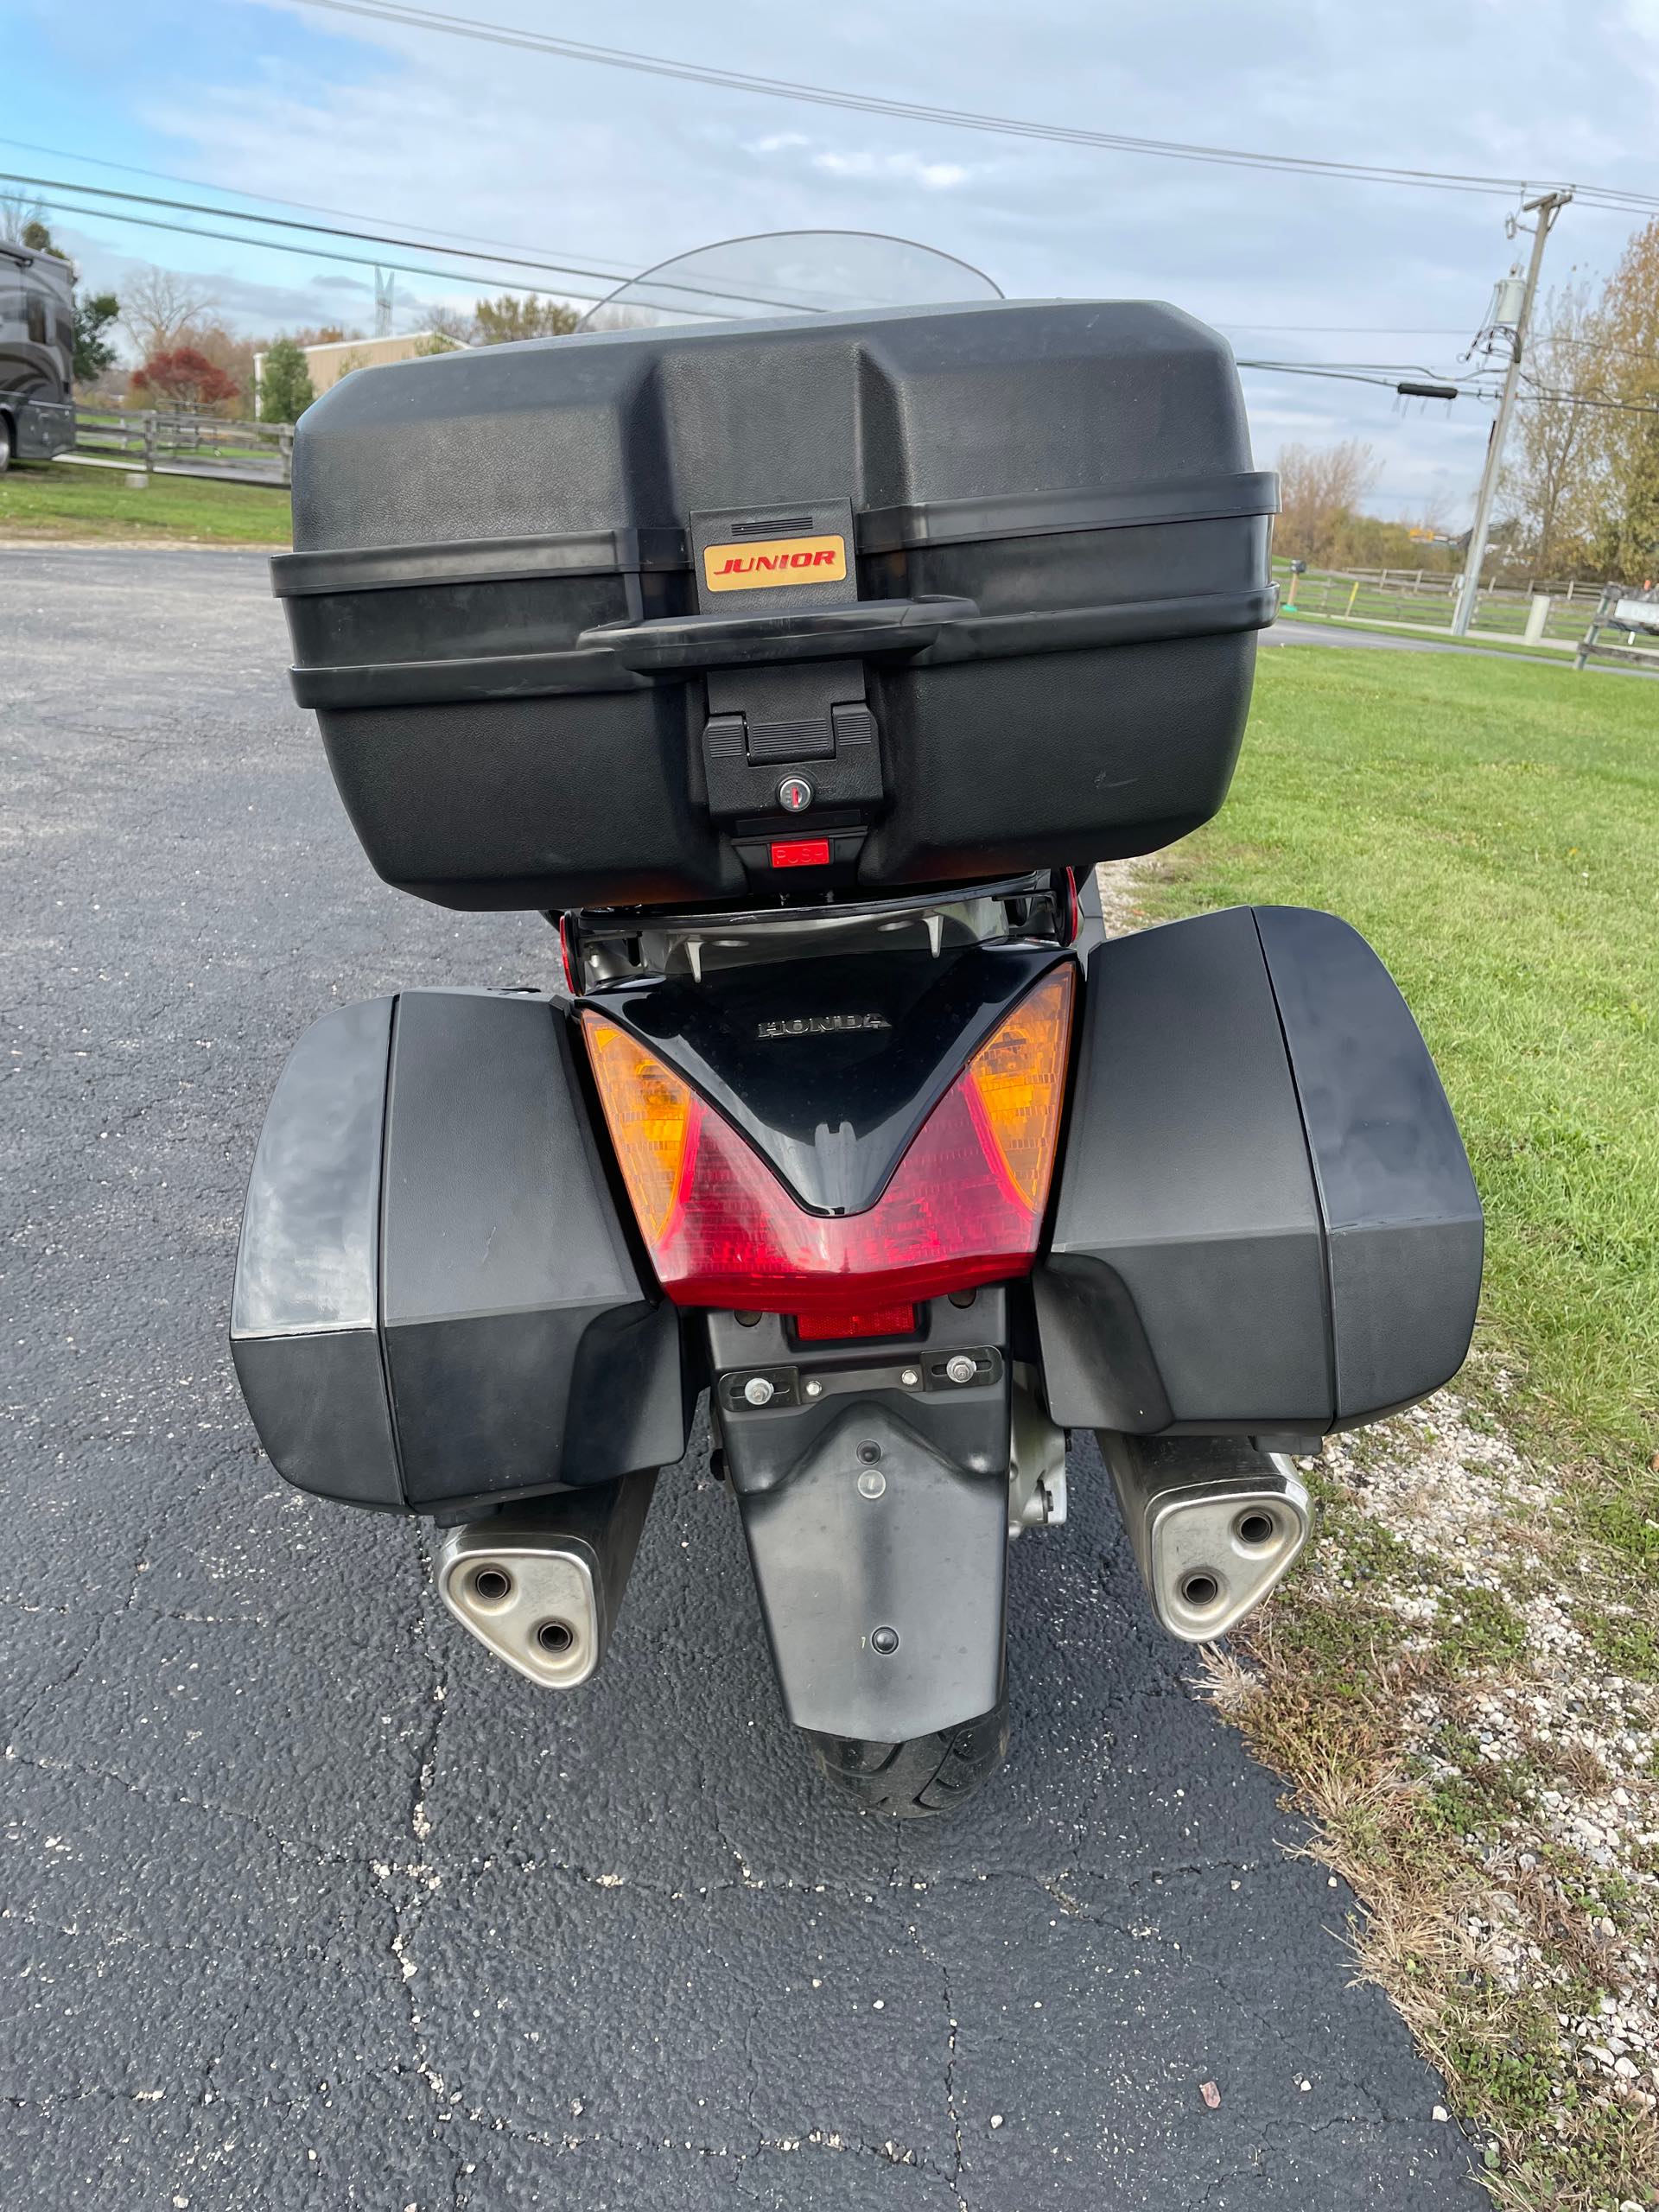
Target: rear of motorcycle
844	1111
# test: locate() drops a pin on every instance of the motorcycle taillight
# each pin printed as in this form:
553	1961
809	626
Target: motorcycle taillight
963	1207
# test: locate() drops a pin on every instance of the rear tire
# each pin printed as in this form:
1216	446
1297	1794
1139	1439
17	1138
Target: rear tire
921	1778
8	443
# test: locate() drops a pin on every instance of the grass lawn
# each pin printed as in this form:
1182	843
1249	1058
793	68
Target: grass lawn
1461	1681
46	499
1494	831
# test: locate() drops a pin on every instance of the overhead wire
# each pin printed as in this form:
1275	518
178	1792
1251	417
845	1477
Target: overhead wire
476	242
317	253
481	244
401	14
612	278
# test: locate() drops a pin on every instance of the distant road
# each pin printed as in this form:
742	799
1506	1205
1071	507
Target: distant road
1293	633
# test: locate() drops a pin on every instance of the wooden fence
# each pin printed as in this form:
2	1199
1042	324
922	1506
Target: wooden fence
157	443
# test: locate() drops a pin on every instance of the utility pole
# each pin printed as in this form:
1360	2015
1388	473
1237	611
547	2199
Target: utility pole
1547	209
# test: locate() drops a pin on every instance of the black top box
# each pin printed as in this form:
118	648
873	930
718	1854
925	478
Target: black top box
668	616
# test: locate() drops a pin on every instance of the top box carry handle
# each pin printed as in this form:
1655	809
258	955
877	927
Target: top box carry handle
678	643
634	655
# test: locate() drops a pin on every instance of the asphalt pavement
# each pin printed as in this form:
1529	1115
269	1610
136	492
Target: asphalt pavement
310	1903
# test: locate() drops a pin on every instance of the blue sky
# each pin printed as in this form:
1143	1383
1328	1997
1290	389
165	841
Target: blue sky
424	133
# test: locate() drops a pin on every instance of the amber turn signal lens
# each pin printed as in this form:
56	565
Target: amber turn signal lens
649	1113
1018	1080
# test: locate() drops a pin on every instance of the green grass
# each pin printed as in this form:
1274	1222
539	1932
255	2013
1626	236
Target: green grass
47	501
1494	830
1492	826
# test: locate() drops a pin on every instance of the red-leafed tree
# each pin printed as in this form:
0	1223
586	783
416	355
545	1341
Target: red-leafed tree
184	378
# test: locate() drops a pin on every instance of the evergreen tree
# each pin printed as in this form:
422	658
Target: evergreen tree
285	386
93	353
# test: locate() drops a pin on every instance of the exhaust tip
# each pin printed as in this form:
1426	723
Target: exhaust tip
539	1584
1214	1525
532	1598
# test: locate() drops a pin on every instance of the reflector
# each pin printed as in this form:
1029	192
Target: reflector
1018	1080
872	1321
965	1206
651	1117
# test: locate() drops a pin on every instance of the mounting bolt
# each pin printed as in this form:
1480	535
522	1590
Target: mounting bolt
885	1641
815	1389
872	1482
960	1367
909	1377
758	1391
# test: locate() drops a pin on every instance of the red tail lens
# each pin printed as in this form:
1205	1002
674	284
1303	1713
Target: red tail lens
964	1206
875	1321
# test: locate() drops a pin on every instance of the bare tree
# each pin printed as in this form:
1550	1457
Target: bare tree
1551	487
162	309
1318	487
19	212
444	322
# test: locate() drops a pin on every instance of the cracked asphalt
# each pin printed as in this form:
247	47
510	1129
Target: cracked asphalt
308	1903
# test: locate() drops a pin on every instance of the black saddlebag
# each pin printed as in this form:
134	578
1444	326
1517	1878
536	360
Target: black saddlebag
1265	1221
647	616
435	1305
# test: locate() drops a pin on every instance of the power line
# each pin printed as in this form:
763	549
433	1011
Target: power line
374	238
409	17
1347	329
480	243
1388	372
268	200
322	253
1582	399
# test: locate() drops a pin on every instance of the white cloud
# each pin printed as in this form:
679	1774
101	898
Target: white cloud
904	168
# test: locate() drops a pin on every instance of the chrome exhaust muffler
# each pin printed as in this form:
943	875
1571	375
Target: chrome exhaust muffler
1214	1525
541	1584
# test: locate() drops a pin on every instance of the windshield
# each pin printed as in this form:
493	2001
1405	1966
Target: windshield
791	272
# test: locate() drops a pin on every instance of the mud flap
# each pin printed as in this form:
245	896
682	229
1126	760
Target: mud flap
881	1569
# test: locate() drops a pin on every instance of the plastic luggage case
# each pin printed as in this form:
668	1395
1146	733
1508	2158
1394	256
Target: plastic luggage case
868	601
435	1305
1266	1222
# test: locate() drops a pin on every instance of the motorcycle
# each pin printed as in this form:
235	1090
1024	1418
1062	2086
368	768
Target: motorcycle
797	636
